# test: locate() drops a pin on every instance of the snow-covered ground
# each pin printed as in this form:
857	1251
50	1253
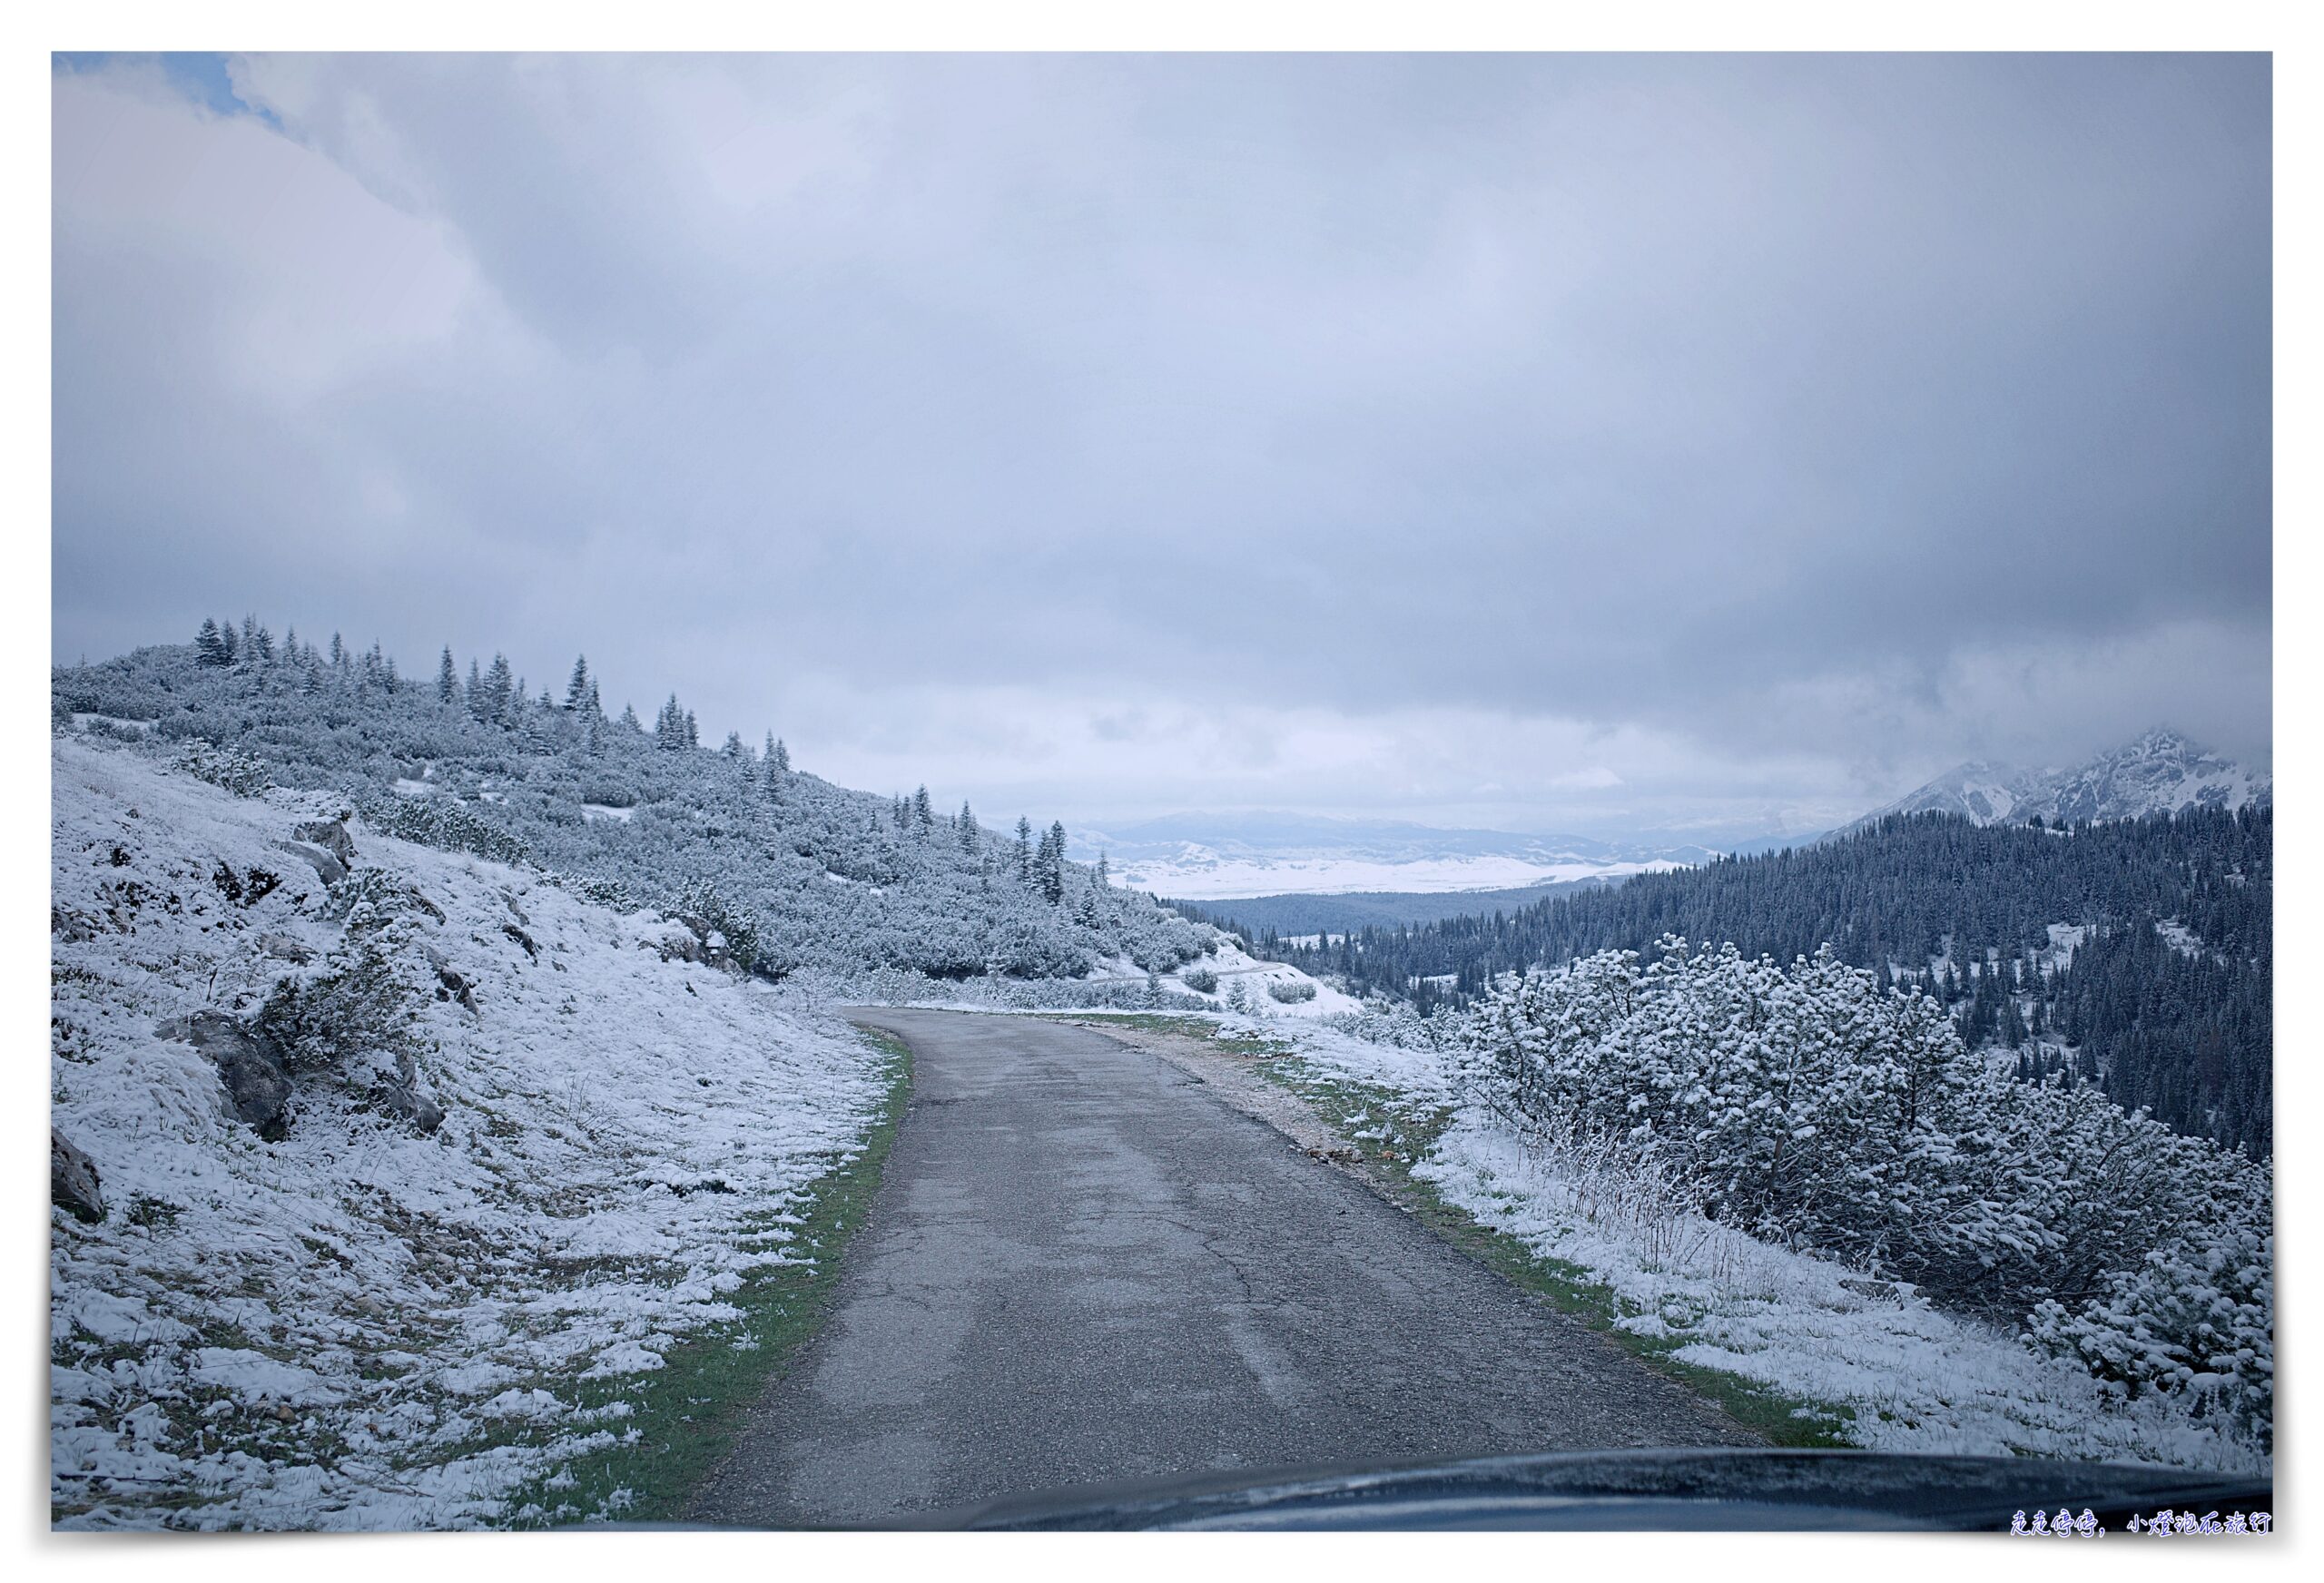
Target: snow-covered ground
1914	1377
362	1325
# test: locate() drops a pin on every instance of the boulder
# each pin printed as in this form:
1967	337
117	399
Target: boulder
394	1090
326	866
73	1183
283	947
330	834
454	986
258	1088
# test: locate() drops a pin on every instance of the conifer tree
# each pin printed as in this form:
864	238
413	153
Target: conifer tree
208	647
577	691
1024	852
969	842
448	679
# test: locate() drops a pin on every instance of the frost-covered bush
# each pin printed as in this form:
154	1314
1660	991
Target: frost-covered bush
1382	1022
2196	1318
1811	1106
363	999
1201	980
236	773
446	826
1292	993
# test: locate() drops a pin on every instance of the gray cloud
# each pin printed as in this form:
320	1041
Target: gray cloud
1702	433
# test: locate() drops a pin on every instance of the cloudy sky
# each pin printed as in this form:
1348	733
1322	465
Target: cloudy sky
1555	443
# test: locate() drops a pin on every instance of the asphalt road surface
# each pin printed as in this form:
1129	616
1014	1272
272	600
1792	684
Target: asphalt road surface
1082	1267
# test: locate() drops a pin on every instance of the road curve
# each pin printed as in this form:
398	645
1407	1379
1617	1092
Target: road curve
1081	1267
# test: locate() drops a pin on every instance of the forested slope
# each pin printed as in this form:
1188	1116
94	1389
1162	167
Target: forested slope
2134	953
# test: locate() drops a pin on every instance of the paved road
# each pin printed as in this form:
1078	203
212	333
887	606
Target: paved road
1081	1267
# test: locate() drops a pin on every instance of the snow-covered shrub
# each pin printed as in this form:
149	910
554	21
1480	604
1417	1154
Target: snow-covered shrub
1292	993
1393	1023
1201	980
1808	1105
444	825
236	773
2196	1318
362	999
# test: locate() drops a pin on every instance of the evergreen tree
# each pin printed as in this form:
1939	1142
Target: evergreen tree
577	691
209	647
968	826
923	811
499	688
475	689
1024	852
448	679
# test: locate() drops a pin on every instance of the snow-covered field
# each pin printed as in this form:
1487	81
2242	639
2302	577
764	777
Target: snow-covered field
1201	875
1915	1378
362	1325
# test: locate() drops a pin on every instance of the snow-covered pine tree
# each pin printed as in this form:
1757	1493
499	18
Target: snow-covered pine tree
577	691
448	679
208	647
499	687
967	828
1024	852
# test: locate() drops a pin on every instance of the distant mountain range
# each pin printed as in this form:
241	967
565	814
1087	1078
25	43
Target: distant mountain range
1394	865
1203	856
2160	772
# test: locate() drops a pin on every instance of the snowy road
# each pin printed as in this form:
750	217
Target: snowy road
1084	1267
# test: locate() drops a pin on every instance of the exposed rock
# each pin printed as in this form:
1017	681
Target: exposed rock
708	945
257	1086
73	1183
283	947
327	866
454	986
330	834
522	939
395	1091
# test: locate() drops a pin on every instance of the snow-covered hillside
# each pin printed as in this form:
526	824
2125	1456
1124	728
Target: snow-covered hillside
1200	857
2160	772
802	875
394	1147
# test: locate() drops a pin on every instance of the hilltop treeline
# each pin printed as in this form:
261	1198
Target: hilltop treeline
795	872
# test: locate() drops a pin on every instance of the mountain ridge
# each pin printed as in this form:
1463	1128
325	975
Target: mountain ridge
2160	770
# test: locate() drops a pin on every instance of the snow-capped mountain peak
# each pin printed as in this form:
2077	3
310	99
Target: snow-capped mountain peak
2161	771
